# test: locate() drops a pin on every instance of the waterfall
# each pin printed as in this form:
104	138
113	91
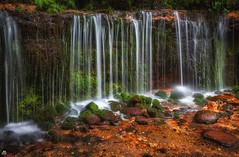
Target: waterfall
14	80
179	39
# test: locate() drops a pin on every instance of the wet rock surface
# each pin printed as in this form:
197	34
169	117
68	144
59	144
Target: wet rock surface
220	137
132	111
206	117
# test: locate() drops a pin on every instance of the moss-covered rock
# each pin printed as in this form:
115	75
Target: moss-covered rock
69	123
235	88
176	95
162	94
115	106
54	136
46	118
125	97
200	102
135	99
237	95
109	116
92	107
156	104
152	112
67	126
198	95
60	109
170	100
148	100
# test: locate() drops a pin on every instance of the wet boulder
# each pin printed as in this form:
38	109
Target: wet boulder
206	117
132	111
141	120
115	106
109	116
162	94
92	119
220	137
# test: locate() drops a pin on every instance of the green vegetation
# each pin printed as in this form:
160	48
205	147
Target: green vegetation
29	105
235	89
162	94
46	118
60	109
53	6
156	104
198	95
237	95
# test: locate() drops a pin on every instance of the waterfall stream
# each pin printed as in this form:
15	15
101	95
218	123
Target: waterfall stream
108	54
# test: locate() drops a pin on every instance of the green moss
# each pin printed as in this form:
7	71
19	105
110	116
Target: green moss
162	94
92	107
209	97
170	100
200	102
125	97
118	96
198	95
160	114
176	95
84	114
148	100
46	118
60	109
54	136
115	106
68	126
235	88
237	95
156	104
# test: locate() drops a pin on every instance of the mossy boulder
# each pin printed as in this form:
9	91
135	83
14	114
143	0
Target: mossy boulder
148	100
154	112
115	106
162	94
118	96
200	102
134	100
69	123
235	88
67	126
54	136
198	96
176	94
156	104
46	118
109	116
92	107
237	95
60	109
206	117
125	97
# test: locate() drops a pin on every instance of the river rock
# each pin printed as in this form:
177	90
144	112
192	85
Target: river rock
220	137
141	120
206	117
92	119
132	111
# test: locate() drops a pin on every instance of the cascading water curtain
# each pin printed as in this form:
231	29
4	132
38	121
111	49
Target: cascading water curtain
14	79
100	56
